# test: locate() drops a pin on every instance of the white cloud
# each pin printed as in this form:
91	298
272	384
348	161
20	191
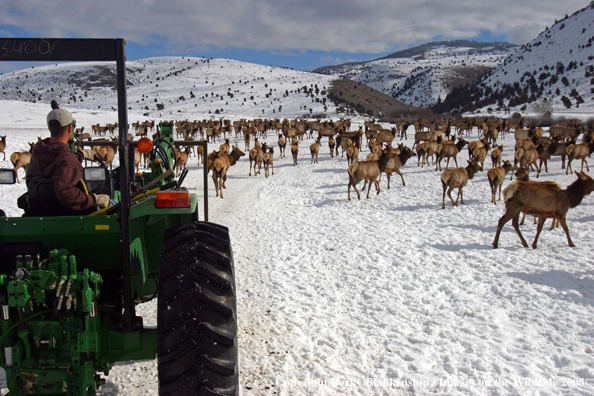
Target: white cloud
369	26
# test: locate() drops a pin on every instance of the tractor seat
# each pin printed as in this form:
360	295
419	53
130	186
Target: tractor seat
41	200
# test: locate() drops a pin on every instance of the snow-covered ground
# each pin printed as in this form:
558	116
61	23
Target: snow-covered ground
390	295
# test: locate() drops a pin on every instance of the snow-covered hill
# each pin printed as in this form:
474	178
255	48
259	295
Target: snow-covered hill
557	66
422	75
176	88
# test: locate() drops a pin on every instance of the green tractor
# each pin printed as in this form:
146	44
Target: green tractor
70	285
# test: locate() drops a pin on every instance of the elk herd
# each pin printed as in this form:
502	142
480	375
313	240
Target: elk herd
436	143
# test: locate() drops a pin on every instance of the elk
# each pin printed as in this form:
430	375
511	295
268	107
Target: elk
497	156
282	144
220	166
480	153
368	171
422	154
386	136
246	140
3	146
344	145
474	144
491	134
526	157
457	178
314	149
199	155
352	154
20	159
450	150
295	150
268	159
224	148
578	151
544	154
432	149
256	154
544	200
496	177
394	164
331	145
421	137
181	159
106	153
522	174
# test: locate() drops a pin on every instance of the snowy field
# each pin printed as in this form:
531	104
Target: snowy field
390	295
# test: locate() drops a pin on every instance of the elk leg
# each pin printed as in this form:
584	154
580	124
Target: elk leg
515	223
444	193
214	179
377	187
541	221
369	188
461	195
566	229
401	176
504	219
450	195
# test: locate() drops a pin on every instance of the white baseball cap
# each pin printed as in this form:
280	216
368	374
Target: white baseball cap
62	115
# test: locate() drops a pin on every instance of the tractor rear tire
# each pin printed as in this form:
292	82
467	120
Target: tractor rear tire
196	315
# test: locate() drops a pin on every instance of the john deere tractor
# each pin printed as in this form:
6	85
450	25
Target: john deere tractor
70	284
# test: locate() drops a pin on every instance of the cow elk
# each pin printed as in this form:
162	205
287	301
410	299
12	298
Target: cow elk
3	146
20	159
314	149
497	156
578	151
268	160
221	165
282	145
457	178
295	150
450	150
368	171
496	177
543	200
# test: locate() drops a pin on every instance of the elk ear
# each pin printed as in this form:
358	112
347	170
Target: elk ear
580	175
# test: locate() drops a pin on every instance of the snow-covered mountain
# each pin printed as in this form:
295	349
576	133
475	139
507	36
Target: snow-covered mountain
420	76
557	66
176	88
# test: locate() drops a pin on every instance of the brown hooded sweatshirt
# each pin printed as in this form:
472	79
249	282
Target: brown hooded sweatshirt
57	161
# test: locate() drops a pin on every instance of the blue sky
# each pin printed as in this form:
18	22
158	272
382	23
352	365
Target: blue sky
298	34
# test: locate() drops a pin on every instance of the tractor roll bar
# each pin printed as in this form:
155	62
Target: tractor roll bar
55	49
